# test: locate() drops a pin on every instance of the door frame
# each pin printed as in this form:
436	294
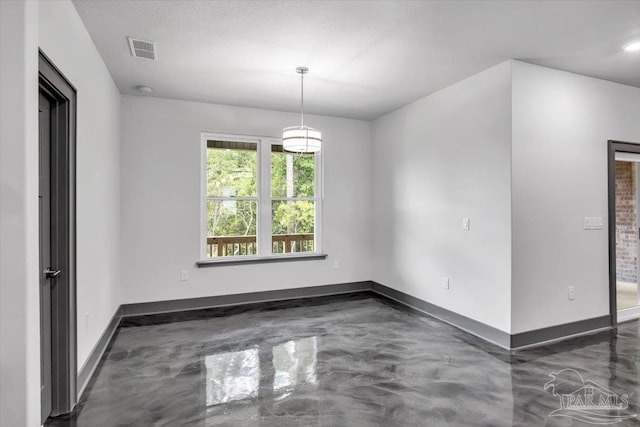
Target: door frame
613	147
63	227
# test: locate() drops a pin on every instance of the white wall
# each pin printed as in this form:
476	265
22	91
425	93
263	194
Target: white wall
19	298
64	39
160	166
441	159
561	124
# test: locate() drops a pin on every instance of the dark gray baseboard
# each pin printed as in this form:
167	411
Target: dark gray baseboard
488	333
558	332
85	373
479	329
138	309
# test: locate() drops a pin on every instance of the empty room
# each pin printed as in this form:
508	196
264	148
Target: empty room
319	213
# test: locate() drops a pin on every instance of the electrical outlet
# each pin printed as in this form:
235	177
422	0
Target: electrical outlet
445	283
466	224
336	264
184	275
571	294
588	223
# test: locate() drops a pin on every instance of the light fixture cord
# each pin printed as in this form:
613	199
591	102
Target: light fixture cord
302	99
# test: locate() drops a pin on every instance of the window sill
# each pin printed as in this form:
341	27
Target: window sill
260	259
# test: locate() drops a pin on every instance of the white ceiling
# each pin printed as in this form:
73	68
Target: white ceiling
366	58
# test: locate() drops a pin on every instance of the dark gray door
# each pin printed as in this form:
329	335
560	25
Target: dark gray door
57	110
47	277
57	123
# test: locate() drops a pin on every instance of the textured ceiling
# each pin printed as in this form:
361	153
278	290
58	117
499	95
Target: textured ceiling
366	58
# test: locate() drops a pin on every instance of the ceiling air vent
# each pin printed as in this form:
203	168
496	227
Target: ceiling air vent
142	48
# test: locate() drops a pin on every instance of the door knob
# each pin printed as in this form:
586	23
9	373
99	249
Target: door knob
50	274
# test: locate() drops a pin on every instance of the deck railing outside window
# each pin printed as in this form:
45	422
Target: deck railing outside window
219	246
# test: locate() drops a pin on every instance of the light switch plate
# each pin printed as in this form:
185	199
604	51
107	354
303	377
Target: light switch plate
588	223
184	275
466	224
597	223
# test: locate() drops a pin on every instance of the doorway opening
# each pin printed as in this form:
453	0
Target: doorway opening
624	230
57	115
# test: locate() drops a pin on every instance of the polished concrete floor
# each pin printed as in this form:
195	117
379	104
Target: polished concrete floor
352	360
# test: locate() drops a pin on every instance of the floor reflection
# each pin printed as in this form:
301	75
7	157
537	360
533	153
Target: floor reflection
235	376
232	376
295	364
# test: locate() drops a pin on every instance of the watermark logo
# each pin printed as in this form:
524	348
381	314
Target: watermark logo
585	400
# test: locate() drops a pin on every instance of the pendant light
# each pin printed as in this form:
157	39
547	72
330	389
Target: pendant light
301	139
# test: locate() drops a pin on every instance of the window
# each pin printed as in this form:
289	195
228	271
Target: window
293	192
232	198
258	199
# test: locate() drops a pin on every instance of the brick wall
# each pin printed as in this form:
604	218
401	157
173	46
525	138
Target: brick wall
626	222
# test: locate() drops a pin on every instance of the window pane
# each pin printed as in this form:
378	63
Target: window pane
292	175
231	172
292	226
231	227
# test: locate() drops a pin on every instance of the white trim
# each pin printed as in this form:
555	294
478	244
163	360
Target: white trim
203	195
264	205
232	198
627	314
295	199
319	195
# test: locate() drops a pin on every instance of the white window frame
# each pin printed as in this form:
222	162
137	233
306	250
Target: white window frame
263	225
